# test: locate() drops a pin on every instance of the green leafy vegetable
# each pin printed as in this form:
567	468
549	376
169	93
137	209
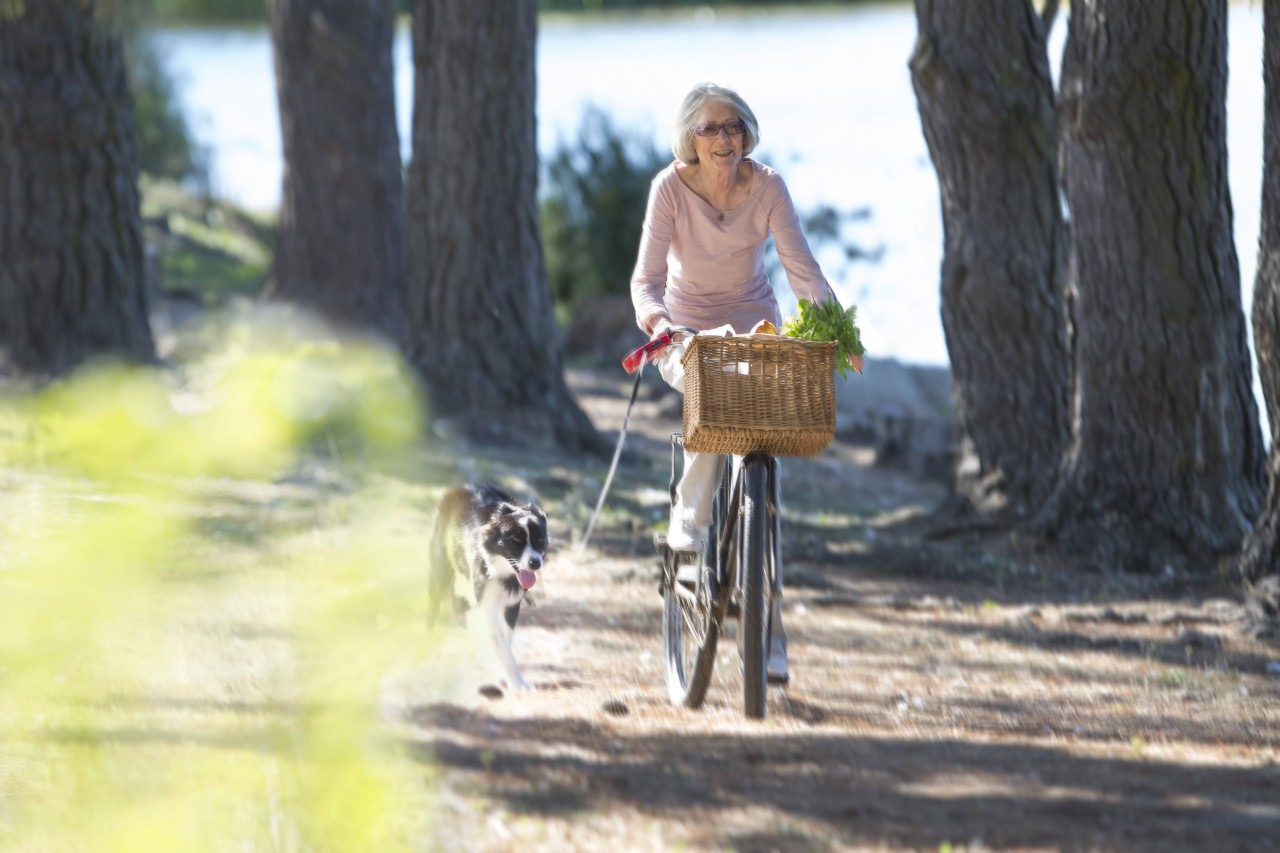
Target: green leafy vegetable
828	322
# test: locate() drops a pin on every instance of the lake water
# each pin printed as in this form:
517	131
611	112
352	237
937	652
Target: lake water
831	90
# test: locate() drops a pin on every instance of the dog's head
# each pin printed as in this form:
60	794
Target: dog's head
517	534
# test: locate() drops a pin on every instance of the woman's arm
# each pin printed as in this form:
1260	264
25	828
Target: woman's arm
803	272
649	280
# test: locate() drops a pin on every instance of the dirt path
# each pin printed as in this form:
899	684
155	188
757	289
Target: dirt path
946	694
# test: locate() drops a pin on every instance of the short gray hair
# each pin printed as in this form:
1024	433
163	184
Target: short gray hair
687	119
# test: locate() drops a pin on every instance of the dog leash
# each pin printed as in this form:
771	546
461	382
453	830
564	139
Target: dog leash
634	362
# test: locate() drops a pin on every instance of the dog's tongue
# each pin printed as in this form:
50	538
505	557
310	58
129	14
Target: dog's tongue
527	578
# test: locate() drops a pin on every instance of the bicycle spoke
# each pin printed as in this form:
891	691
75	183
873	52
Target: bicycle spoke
694	621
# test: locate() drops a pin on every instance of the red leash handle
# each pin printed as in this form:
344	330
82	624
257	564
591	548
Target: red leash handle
646	353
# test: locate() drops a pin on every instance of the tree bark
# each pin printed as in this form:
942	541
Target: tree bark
985	94
1166	462
480	313
340	247
72	270
1260	561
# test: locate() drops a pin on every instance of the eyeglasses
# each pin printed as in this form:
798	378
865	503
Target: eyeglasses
733	127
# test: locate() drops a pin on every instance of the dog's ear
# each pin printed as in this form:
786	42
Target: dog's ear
536	511
506	508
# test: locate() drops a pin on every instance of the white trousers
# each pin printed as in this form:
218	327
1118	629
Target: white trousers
697	487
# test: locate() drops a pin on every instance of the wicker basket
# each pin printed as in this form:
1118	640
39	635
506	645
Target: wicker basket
759	393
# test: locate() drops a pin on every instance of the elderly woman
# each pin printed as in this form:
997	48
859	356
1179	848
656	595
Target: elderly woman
701	264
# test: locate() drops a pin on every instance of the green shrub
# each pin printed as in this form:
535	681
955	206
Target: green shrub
166	147
594	193
207	10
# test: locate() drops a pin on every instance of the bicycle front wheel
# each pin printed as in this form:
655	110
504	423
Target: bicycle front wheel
753	552
690	628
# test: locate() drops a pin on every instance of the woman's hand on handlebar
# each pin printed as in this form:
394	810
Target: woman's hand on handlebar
666	327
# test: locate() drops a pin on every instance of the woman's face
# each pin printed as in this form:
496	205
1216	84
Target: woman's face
722	148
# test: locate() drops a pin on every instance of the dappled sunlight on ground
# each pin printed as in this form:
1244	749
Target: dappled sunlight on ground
943	692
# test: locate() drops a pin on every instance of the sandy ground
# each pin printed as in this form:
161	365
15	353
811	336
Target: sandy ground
947	693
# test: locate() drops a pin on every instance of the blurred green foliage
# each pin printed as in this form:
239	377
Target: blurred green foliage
203	10
209	585
166	146
203	247
595	189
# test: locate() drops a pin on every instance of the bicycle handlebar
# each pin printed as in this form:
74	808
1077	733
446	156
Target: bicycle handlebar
646	353
655	347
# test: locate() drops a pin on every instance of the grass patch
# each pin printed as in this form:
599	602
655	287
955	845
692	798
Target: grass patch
203	247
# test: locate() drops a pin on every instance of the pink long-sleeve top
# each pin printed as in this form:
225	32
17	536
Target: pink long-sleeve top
702	271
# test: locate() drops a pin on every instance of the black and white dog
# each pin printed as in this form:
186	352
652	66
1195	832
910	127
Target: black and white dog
486	552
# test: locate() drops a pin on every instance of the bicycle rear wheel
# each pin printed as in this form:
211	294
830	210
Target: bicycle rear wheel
690	628
753	552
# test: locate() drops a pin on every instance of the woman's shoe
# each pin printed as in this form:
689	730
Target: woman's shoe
684	536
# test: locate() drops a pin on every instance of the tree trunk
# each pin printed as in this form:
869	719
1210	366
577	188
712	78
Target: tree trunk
480	313
340	248
985	94
1260	561
1166	462
72	270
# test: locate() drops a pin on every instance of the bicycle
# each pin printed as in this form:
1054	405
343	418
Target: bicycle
742	556
751	399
